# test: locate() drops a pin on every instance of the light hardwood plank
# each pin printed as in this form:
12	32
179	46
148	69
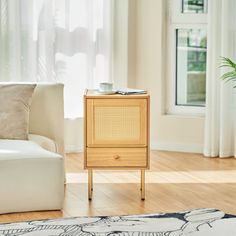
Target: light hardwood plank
175	182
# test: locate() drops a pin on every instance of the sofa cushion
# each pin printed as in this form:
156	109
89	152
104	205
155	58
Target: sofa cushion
15	100
44	142
31	178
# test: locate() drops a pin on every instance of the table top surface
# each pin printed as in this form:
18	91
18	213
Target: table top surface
93	93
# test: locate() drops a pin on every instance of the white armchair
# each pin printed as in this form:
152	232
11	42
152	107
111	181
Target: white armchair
31	177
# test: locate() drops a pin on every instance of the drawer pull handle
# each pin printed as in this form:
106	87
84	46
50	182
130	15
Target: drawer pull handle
116	157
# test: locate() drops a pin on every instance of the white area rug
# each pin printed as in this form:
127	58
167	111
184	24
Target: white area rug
196	222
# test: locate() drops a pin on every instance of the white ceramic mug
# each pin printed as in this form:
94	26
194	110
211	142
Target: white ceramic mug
105	87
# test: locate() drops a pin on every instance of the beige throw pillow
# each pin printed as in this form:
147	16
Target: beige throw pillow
15	101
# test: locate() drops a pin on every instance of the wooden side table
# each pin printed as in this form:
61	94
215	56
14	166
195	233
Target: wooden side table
116	134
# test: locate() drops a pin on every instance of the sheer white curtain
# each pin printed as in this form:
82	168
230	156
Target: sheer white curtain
220	132
65	41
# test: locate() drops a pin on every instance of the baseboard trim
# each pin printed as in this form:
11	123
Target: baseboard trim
73	148
178	147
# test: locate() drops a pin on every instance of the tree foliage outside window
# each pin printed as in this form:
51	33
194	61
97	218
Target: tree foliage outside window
193	6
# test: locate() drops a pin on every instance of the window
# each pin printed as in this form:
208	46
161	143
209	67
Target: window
186	56
190	66
68	41
194	6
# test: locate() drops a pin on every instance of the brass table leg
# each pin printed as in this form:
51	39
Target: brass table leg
143	184
91	180
141	180
90	183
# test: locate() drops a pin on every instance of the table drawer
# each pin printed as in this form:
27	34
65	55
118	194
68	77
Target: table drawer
116	157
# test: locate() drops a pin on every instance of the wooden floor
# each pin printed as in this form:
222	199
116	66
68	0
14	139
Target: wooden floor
175	182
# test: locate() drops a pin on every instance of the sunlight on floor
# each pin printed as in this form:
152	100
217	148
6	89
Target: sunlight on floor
217	176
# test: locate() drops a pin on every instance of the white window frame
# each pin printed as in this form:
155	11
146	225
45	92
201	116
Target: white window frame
177	20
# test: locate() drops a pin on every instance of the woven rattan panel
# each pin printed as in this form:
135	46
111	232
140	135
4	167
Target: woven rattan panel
117	123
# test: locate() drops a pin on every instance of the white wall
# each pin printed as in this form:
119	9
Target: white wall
168	132
74	137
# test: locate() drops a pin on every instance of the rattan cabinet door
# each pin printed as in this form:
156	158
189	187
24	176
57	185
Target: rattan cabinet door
116	122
